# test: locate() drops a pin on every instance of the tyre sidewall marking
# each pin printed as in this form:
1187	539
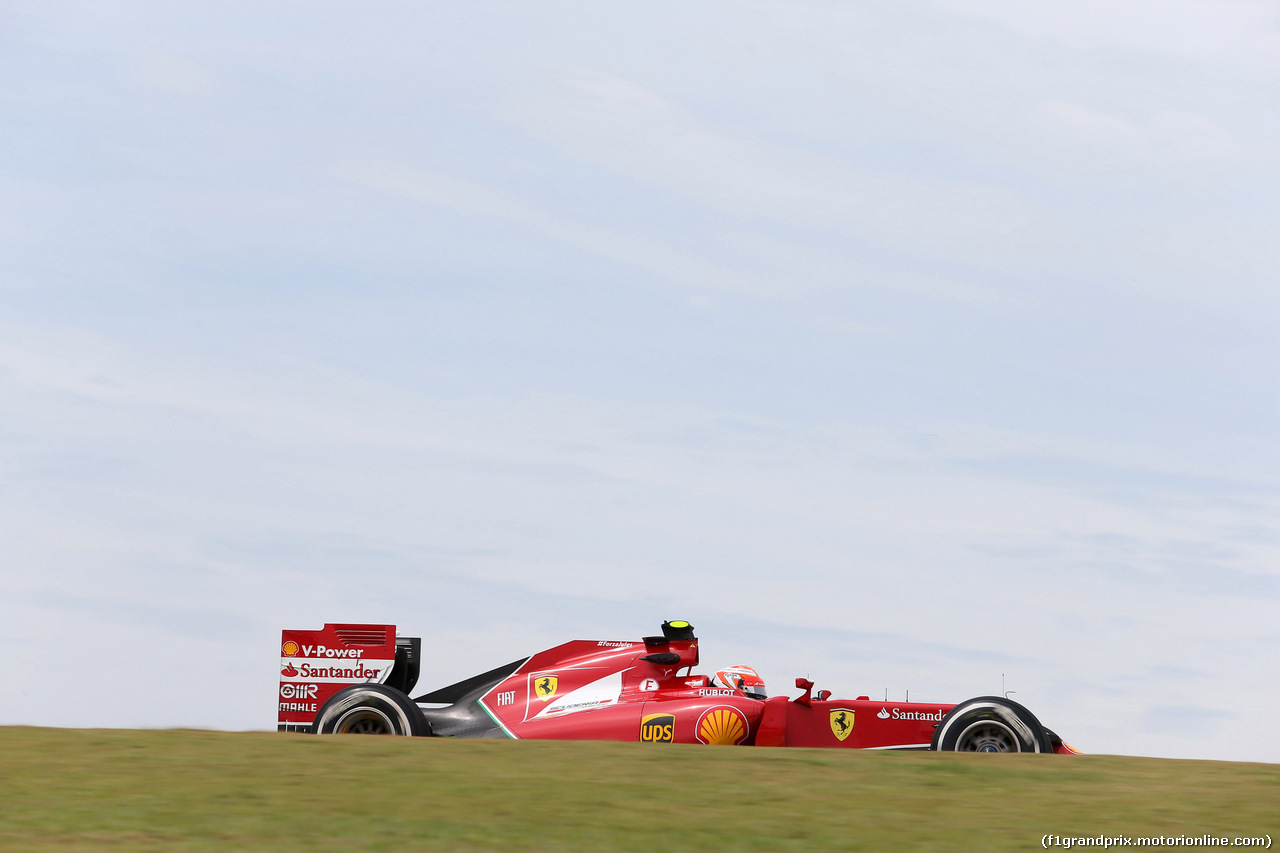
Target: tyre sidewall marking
1003	712
372	700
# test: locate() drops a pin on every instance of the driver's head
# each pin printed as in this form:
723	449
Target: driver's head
742	678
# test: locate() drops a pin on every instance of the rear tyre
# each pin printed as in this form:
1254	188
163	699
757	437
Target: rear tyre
370	709
990	724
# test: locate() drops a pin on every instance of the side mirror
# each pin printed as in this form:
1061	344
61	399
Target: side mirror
807	686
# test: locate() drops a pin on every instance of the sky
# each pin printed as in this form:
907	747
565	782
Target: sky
924	345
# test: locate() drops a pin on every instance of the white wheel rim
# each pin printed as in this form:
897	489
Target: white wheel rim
988	736
352	719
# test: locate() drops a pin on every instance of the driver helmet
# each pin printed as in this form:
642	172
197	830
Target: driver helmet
742	678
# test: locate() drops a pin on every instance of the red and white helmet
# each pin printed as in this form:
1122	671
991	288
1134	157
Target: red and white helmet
742	678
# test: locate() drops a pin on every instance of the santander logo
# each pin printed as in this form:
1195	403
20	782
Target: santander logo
899	714
288	670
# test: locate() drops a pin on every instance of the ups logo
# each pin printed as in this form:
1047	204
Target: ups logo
658	728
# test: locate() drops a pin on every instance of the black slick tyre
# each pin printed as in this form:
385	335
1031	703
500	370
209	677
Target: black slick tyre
370	709
990	724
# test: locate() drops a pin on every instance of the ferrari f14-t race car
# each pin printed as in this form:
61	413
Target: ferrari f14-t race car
357	679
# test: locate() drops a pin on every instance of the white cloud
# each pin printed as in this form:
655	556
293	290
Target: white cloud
1165	138
171	74
1237	34
644	137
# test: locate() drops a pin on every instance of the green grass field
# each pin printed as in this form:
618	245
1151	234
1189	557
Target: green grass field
65	789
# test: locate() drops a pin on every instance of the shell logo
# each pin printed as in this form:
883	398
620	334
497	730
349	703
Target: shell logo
722	726
290	649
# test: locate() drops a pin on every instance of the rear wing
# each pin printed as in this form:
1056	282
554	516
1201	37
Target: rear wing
314	665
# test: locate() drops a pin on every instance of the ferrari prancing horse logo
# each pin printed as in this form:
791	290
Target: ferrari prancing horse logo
544	687
841	723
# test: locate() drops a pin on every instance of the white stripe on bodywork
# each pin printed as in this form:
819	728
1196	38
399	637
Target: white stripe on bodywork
597	694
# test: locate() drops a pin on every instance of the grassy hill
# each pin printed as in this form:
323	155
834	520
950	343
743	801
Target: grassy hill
65	790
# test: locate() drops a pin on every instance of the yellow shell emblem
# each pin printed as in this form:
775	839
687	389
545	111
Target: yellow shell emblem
290	649
544	687
722	726
841	723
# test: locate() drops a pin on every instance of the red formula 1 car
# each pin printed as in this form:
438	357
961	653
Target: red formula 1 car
357	679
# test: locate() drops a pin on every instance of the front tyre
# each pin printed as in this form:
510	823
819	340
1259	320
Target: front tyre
370	709
990	724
